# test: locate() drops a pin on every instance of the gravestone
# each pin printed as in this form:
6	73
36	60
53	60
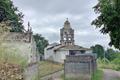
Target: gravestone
80	66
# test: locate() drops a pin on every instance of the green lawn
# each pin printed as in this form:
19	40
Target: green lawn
46	67
98	75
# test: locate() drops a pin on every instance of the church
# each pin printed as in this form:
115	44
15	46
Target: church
57	52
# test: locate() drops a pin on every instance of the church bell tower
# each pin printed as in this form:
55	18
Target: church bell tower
67	34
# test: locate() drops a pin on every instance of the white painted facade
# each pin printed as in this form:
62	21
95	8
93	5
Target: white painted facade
58	56
50	53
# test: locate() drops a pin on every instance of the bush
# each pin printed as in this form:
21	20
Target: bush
103	61
117	63
106	64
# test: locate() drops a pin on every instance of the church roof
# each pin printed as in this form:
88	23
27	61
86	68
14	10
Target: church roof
70	47
53	45
57	47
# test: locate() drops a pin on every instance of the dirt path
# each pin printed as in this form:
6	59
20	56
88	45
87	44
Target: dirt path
111	74
31	72
54	76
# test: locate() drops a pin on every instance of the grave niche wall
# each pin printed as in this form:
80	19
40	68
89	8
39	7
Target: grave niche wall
82	66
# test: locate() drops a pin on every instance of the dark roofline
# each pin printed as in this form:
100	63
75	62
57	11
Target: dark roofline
52	47
80	48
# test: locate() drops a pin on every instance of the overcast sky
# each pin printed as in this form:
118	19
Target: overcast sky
48	16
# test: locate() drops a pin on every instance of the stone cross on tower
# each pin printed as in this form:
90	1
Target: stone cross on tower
67	34
29	31
28	26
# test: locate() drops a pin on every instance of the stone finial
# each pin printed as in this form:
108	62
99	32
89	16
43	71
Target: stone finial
67	24
67	19
28	26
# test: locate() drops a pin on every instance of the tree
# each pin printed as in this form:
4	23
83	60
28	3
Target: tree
41	43
110	54
99	50
109	20
8	12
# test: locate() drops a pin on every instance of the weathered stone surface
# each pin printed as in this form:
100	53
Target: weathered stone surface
21	43
67	34
81	66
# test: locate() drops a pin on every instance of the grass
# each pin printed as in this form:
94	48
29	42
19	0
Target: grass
98	75
35	77
76	78
46	67
11	64
107	65
118	78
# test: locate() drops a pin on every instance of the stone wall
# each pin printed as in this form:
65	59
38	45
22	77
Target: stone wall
17	36
22	43
81	66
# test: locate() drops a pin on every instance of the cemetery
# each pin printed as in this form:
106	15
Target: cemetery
35	45
77	61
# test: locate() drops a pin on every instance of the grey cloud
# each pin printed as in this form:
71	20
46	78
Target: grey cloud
58	6
48	16
92	40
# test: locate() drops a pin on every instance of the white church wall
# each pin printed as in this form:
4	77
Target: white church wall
48	54
60	56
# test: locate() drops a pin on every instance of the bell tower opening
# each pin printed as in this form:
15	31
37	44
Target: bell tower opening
67	34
